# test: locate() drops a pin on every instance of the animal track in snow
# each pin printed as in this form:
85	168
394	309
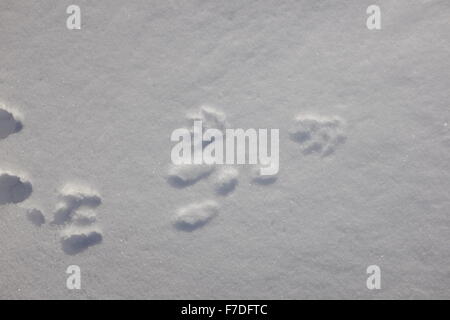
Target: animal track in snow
185	175
75	213
195	215
36	217
13	189
210	117
225	180
75	239
262	179
75	217
316	134
73	198
84	217
9	123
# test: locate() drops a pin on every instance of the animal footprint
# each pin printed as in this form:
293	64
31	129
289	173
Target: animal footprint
210	117
36	217
73	198
225	179
75	239
13	189
75	219
9	123
75	214
184	175
195	215
261	179
316	134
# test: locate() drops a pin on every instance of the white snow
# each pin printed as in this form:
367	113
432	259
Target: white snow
364	149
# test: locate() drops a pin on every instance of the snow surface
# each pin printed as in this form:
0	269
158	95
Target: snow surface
85	123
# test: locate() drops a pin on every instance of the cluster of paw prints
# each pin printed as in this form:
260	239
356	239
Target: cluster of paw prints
76	221
74	217
314	135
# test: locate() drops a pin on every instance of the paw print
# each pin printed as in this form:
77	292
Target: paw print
14	188
76	216
9	122
224	178
317	134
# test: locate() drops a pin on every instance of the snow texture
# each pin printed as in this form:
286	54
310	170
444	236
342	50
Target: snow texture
363	117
